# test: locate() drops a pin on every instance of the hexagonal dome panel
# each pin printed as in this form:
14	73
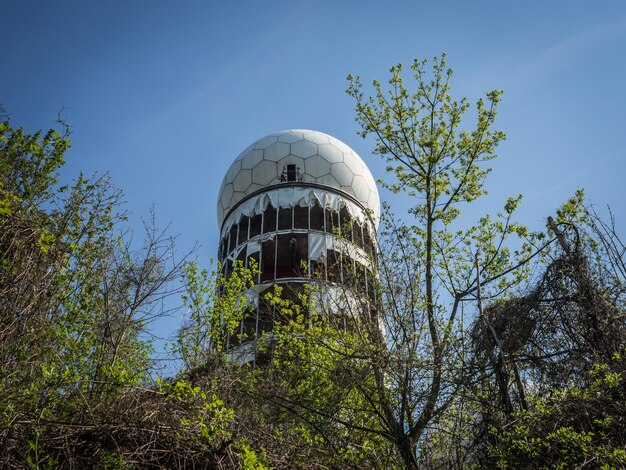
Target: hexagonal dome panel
291	137
316	167
226	194
250	159
342	173
361	187
321	159
243	181
265	173
304	148
265	142
332	153
276	151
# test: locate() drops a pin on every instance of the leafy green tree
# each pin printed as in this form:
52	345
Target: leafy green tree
29	256
580	426
432	270
561	345
370	381
215	308
77	300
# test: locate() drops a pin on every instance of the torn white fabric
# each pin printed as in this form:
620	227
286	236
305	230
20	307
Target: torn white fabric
334	299
259	288
233	256
317	245
290	197
252	295
254	246
330	242
343	246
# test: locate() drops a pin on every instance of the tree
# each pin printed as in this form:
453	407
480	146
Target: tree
77	300
561	345
432	270
371	380
435	267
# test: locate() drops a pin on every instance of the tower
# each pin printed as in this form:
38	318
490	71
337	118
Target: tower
305	207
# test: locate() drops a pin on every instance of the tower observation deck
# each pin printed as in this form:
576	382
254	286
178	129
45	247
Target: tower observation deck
305	207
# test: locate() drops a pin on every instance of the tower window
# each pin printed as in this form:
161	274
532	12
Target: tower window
291	172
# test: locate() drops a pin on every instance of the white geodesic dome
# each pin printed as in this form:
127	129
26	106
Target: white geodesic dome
319	158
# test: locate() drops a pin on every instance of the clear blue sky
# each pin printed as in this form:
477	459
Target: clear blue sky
164	95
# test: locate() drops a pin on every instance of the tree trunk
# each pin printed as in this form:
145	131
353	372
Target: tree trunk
407	451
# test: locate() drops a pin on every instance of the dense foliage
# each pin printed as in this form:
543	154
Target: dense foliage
482	345
76	304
